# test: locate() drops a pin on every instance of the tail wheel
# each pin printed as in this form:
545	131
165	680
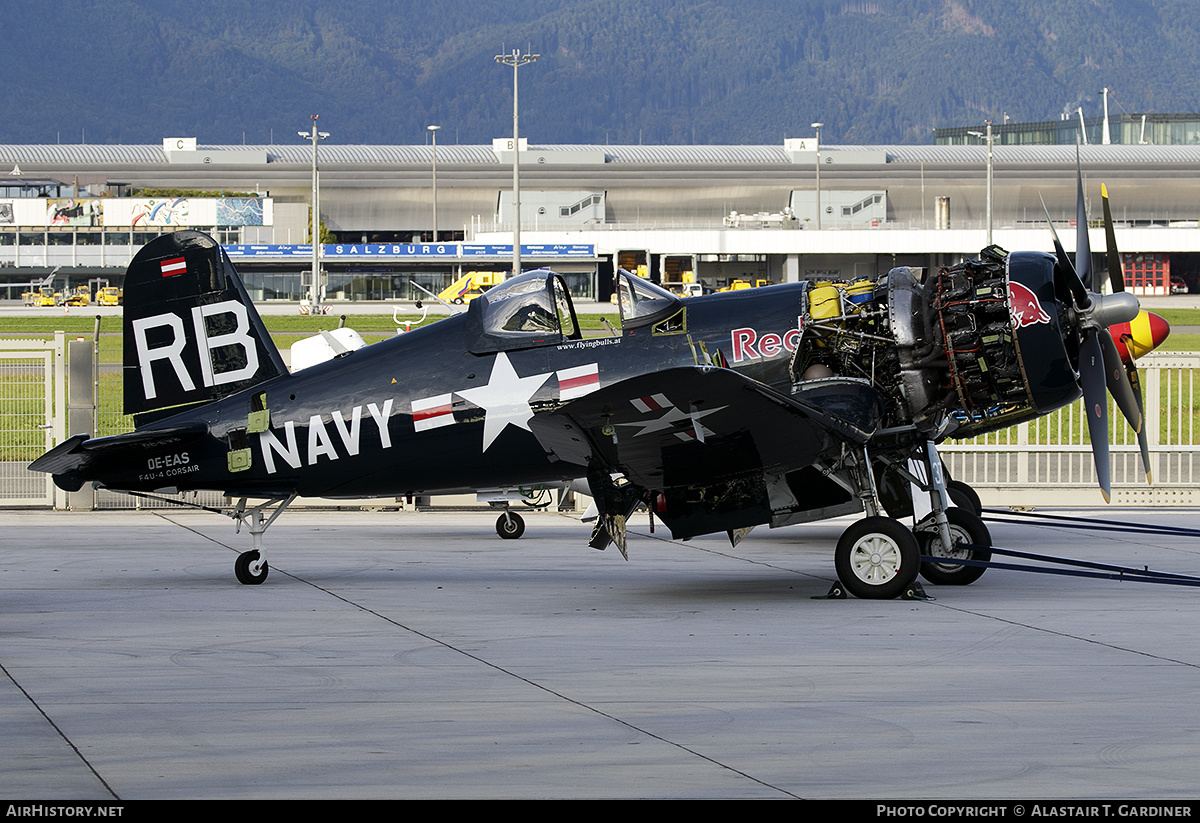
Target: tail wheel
244	569
877	558
510	526
965	529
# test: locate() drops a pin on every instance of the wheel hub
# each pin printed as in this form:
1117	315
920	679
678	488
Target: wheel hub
935	547
875	559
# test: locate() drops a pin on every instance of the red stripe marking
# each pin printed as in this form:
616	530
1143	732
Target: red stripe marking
435	411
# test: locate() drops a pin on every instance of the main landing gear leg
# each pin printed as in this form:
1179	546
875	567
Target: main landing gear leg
251	566
949	530
876	558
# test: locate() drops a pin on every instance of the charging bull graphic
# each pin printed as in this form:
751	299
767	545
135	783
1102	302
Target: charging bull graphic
1024	305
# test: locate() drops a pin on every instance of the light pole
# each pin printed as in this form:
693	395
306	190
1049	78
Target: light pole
988	136
314	291
1106	135
516	60
817	126
989	182
433	130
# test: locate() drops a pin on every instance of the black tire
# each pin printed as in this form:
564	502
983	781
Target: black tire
877	558
965	528
241	568
510	526
964	497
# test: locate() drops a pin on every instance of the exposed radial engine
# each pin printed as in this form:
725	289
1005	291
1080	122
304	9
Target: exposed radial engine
972	348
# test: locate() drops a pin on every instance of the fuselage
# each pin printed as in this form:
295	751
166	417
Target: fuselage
432	410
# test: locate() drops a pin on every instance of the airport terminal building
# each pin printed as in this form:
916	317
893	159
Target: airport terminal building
398	215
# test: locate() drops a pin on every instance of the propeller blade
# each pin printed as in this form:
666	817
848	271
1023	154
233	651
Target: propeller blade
1059	251
1083	246
1143	445
1153	333
1095	399
1065	269
1116	273
1147	329
1118	383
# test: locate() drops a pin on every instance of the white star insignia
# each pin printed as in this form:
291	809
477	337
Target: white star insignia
505	398
673	420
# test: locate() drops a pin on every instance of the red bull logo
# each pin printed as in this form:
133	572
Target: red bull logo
1024	306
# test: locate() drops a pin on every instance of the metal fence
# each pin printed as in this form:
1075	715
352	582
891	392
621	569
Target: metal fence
1048	462
32	417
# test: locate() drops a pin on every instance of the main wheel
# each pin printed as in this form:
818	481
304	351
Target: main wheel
242	569
510	526
877	558
964	497
965	528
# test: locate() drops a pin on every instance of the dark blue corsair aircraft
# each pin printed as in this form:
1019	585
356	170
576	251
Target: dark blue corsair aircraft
769	406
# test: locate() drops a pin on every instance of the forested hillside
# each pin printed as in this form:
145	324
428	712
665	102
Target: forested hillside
611	71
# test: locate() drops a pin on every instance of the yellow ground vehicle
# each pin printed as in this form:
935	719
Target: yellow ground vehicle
470	285
81	296
47	296
108	296
738	285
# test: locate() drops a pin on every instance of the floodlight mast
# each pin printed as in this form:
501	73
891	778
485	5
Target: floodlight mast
817	126
516	59
433	130
314	289
989	137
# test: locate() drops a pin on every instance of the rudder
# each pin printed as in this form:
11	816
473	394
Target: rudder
192	333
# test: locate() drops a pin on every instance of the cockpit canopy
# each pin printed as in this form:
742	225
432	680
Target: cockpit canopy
643	303
533	309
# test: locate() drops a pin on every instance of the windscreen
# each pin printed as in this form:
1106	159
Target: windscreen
641	301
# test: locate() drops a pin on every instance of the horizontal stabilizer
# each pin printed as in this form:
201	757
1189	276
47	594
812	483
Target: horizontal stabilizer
80	451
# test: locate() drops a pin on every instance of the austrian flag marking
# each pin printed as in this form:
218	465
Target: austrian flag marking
432	412
176	265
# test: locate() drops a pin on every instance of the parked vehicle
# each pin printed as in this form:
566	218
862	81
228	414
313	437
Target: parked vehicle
109	296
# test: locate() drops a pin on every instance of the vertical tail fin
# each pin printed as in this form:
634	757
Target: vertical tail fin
192	334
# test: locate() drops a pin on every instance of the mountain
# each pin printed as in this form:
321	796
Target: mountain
610	71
